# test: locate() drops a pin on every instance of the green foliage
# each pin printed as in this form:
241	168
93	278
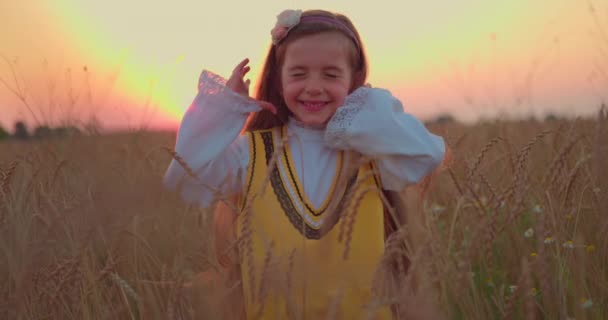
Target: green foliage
4	134
42	132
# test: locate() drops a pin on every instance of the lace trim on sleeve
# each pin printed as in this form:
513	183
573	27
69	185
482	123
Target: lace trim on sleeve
213	87
336	130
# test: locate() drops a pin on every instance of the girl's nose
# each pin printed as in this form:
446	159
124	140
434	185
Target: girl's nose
313	88
313	91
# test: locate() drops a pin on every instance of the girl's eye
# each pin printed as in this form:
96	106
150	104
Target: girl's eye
333	76
297	74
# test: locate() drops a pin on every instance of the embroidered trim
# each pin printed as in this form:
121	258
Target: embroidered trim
295	181
252	157
287	204
293	178
293	195
213	86
335	133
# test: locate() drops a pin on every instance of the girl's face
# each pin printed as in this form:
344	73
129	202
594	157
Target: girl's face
316	76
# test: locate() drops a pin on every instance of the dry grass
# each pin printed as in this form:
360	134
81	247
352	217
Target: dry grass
89	233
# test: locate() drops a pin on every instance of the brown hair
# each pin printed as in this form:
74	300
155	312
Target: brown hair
269	83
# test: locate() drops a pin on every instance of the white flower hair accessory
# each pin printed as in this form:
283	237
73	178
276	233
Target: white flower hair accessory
286	20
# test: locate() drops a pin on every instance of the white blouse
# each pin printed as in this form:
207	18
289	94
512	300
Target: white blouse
371	122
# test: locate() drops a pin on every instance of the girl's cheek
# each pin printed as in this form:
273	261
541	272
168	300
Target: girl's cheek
341	102
342	87
296	86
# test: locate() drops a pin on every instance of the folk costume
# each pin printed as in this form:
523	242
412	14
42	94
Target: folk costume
292	260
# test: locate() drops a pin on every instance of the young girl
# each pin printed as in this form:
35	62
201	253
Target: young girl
304	165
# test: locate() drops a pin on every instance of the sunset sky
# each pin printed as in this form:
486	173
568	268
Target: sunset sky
133	63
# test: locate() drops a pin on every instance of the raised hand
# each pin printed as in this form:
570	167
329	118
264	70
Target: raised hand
235	82
240	86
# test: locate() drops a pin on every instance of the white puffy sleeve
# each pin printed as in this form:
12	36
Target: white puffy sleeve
208	141
373	123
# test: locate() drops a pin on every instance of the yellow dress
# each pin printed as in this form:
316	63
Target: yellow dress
289	269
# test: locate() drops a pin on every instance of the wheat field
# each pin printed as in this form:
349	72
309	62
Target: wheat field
513	227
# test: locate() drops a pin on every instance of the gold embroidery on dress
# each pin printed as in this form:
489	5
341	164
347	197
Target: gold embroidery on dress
287	204
297	185
253	156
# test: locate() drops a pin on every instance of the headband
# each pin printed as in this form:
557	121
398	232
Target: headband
288	19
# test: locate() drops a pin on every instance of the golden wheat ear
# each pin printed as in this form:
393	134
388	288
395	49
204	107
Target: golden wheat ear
479	158
193	175
7	176
181	161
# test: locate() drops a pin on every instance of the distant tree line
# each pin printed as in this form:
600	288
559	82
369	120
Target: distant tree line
441	119
20	132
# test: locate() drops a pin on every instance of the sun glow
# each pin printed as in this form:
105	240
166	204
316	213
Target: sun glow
430	53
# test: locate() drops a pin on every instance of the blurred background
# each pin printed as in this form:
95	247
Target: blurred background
119	64
513	225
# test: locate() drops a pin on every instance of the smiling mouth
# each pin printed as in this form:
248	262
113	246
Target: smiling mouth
313	105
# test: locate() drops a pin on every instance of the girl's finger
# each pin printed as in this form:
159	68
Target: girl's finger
245	70
268	106
247	83
240	66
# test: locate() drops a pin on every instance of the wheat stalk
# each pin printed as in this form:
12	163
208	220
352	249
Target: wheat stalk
529	303
519	179
517	188
352	219
337	208
7	176
247	232
488	185
480	156
510	304
271	166
263	289
456	183
246	244
543	271
217	194
265	278
558	163
289	284
124	286
385	287
567	188
522	160
346	212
